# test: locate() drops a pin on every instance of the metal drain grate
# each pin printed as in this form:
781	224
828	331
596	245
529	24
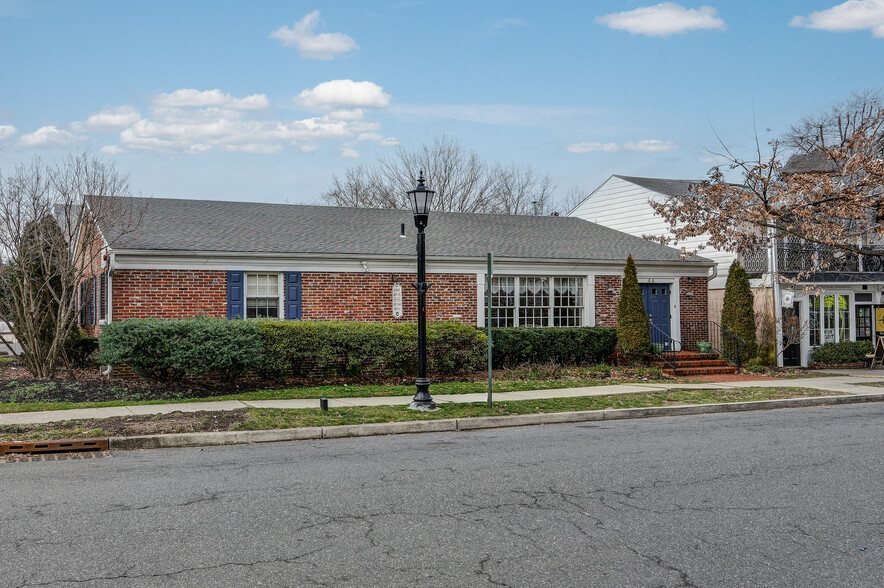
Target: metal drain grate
60	446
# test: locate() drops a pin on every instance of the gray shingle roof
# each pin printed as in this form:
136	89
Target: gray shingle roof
663	186
216	226
809	163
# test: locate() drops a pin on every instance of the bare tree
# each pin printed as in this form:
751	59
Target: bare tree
50	243
835	128
840	207
572	198
462	180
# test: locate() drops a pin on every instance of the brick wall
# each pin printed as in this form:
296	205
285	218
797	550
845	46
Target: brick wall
90	257
368	297
694	304
168	294
324	295
606	301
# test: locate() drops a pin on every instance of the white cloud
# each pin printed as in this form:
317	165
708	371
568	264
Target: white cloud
508	22
590	147
647	146
7	131
343	94
193	122
109	119
348	151
853	15
309	44
195	98
379	139
651	146
663	20
50	136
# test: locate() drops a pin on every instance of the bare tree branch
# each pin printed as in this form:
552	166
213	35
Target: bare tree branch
49	242
462	180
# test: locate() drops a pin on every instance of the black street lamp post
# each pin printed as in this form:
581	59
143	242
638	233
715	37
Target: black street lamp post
421	202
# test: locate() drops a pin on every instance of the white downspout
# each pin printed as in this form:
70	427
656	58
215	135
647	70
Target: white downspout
778	305
109	316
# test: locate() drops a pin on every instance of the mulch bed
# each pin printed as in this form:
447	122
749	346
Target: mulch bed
17	385
176	422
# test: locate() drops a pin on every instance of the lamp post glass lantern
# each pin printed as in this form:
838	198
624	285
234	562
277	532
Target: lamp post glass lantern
421	203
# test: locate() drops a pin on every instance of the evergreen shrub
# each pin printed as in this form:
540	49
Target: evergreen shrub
166	350
353	349
633	329
514	346
738	314
843	352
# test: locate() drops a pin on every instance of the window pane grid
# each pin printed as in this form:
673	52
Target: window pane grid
535	305
503	301
534	302
567	302
262	296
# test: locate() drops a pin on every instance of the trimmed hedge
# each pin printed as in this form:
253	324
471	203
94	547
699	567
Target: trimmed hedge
352	349
166	350
843	352
565	346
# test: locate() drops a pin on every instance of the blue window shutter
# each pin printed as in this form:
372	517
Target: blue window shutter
236	295
293	296
104	295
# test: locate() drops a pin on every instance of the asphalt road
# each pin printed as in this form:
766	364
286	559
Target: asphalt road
778	498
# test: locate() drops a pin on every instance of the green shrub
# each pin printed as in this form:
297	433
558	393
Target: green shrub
225	348
563	346
738	314
633	329
145	345
80	349
353	349
166	350
843	352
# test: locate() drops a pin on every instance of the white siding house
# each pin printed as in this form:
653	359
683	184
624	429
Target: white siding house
622	203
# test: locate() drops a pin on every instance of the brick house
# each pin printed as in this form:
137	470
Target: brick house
241	259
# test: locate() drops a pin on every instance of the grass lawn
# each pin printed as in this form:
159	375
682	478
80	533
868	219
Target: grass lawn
262	419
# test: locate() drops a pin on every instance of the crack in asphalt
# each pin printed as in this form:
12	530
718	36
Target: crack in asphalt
483	563
127	575
659	562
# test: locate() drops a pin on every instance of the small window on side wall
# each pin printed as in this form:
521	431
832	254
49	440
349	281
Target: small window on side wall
263	295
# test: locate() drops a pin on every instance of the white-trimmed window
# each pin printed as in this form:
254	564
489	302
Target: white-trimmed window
528	301
263	296
829	318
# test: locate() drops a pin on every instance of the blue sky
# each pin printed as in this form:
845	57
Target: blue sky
265	101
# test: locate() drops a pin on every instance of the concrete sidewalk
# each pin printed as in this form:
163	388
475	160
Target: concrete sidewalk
853	384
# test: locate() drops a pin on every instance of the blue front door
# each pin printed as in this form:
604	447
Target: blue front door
656	299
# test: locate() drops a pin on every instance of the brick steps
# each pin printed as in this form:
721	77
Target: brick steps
694	363
700	371
690	363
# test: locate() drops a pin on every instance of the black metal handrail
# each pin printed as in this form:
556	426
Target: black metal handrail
726	343
668	350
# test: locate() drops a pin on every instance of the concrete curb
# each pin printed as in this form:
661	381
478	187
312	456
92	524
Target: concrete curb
470	424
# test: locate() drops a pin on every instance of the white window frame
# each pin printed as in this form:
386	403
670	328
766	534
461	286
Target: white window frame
280	293
551	307
851	317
